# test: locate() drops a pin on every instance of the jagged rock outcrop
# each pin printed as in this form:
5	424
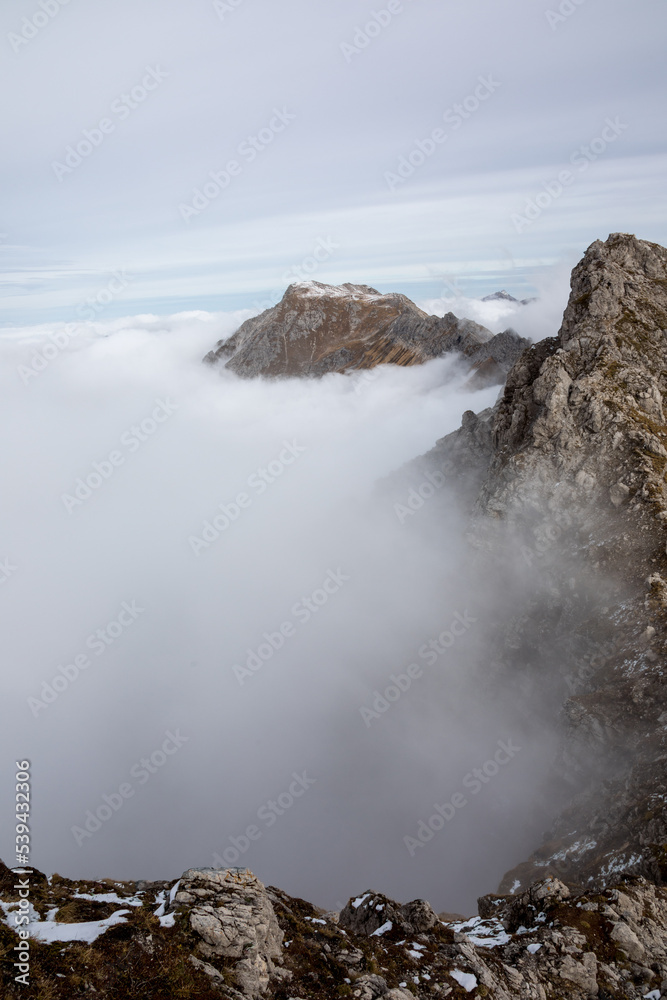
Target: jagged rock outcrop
231	914
572	464
317	328
492	361
505	348
588	403
370	912
219	933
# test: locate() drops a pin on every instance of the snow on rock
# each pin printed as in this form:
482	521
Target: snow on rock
318	288
464	979
383	929
173	891
367	913
488	933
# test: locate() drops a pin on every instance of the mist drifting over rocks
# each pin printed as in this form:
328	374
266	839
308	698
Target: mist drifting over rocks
272	593
281	609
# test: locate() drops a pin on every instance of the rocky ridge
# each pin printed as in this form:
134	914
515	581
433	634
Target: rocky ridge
316	329
566	478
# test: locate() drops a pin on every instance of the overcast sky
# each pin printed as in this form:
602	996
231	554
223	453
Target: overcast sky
352	99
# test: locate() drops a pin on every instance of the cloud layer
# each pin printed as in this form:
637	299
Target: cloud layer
212	608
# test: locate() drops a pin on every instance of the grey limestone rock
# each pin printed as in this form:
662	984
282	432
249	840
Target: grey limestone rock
233	917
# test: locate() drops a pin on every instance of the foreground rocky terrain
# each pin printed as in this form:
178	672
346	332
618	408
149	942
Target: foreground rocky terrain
221	933
319	328
563	486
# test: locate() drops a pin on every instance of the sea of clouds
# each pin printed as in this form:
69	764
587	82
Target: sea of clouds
205	591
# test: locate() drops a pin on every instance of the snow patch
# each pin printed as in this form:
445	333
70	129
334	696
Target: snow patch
109	897
464	979
87	931
382	930
483	933
8	909
573	852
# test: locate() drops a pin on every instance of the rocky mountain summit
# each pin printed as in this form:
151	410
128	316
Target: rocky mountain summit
504	296
317	328
564	487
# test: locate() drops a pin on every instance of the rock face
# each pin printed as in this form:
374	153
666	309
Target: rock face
566	476
370	912
588	403
232	915
319	328
219	933
492	361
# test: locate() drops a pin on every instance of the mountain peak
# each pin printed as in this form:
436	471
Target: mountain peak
318	328
618	290
502	295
